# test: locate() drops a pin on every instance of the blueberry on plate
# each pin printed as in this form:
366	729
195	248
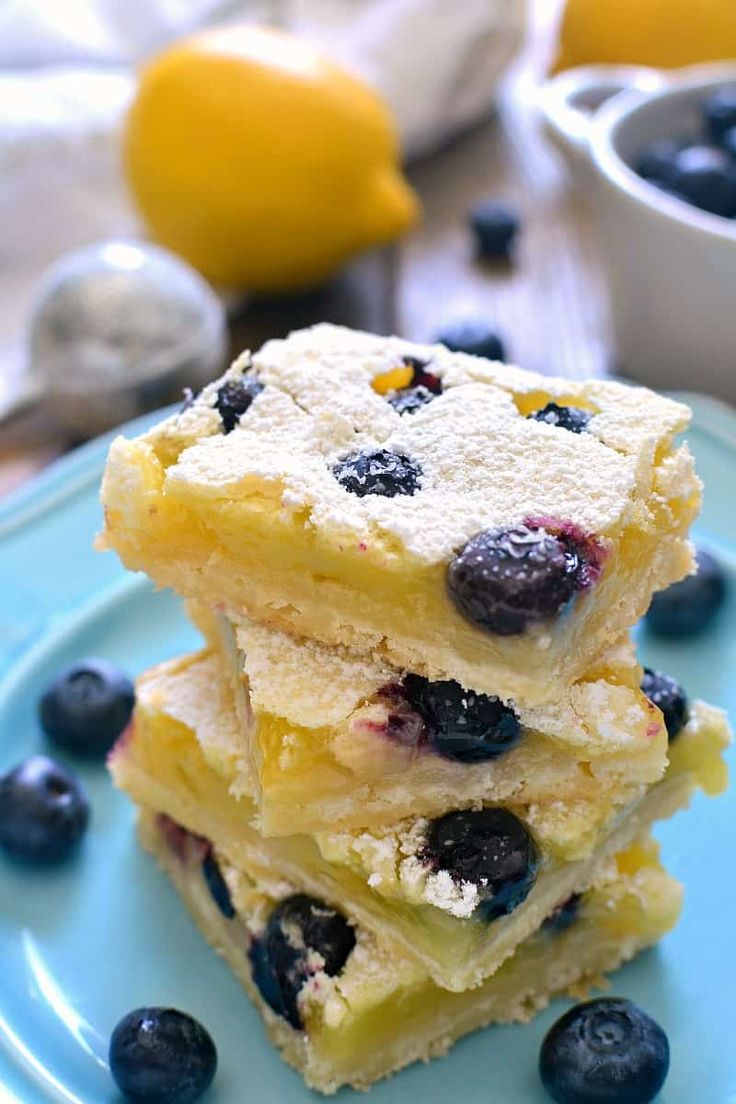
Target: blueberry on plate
162	1056
462	724
44	811
706	177
688	607
571	418
87	707
720	112
605	1051
668	696
299	928
505	580
489	848
378	473
234	398
474	336
495	225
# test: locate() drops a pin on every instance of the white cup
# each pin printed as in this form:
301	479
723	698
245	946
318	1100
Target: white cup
671	267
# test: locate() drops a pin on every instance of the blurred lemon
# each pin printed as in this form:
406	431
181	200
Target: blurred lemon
260	162
664	33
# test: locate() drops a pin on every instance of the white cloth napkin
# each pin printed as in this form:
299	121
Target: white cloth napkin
67	74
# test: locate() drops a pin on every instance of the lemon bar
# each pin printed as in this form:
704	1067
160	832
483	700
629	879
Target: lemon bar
465	519
341	740
346	1008
458	893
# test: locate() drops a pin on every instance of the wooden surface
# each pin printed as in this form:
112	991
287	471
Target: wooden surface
549	304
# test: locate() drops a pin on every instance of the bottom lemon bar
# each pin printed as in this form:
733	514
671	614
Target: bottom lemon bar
345	1008
440	906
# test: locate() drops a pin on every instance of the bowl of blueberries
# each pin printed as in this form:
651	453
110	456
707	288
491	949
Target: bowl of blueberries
658	150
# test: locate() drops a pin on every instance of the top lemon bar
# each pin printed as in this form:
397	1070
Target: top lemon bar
463	518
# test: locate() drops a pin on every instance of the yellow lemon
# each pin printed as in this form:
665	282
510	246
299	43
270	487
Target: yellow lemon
663	33
260	162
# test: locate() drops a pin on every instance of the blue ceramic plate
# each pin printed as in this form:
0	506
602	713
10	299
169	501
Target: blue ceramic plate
81	946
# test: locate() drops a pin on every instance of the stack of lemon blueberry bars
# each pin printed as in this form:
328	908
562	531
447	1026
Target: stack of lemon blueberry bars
407	785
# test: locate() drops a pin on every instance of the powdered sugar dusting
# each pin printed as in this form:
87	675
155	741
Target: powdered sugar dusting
326	687
315	685
391	862
484	464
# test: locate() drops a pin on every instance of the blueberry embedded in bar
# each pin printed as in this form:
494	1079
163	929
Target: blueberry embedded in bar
457	893
417	761
469	536
340	740
346	1008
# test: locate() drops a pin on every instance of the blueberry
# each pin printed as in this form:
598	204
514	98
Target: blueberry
706	177
266	982
234	399
424	387
564	916
422	376
162	1056
87	707
491	849
378	473
571	418
406	728
667	694
605	1051
44	811
303	923
186	845
505	580
495	226
657	161
720	112
282	961
403	725
217	886
410	399
472	335
461	724
689	607
728	142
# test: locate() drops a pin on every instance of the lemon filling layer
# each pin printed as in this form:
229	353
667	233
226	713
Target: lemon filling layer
327	738
379	876
255	520
382	1011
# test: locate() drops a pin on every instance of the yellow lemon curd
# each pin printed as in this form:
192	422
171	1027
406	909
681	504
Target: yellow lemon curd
254	521
382	1011
176	761
317	724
